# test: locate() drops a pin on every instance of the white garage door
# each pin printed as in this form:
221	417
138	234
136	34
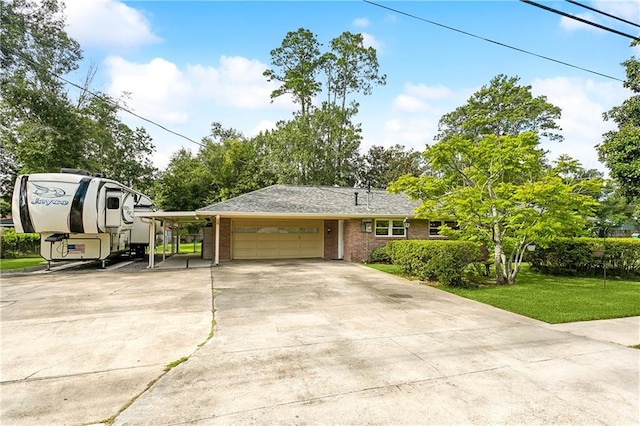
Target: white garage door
277	239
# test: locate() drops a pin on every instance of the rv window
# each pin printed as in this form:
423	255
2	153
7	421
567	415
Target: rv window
113	203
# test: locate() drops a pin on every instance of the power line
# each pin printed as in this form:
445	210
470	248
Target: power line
602	13
120	107
577	18
105	99
493	41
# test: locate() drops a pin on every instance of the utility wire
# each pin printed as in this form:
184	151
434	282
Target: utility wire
603	13
105	99
577	18
493	41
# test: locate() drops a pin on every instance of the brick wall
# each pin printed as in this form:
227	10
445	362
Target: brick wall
225	240
358	245
330	239
418	230
207	243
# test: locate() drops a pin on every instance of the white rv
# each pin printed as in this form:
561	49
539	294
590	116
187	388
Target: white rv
80	216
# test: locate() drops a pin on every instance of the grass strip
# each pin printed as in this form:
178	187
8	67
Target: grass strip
21	263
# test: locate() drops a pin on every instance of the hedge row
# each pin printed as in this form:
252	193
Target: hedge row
13	244
442	261
588	256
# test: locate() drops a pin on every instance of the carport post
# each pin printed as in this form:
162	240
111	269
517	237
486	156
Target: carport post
152	242
216	260
341	239
164	241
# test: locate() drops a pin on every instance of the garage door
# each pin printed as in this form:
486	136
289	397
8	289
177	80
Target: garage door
277	239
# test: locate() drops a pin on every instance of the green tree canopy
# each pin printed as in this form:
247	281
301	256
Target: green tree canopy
297	60
620	149
226	165
184	185
382	166
494	180
502	108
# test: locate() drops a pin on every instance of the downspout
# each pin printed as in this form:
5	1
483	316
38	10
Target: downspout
216	260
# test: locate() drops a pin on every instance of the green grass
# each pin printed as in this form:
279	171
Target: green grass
20	263
555	299
389	269
175	363
184	248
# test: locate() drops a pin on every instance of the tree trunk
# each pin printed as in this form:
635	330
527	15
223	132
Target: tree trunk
497	262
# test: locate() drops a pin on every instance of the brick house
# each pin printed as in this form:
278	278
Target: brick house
286	221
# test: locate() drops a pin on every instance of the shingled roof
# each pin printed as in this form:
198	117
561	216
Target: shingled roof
317	200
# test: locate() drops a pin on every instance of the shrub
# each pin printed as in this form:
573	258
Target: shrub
587	256
442	261
14	244
380	255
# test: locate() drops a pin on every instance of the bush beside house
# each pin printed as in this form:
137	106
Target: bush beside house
442	261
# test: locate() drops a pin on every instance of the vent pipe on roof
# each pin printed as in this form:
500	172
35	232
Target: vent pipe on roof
356	194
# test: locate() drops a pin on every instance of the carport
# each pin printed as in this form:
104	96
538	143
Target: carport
177	219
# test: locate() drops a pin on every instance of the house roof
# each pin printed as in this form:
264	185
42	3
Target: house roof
316	201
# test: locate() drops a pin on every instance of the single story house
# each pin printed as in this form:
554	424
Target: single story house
287	221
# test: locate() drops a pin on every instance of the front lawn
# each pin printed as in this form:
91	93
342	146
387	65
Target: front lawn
556	299
185	248
21	263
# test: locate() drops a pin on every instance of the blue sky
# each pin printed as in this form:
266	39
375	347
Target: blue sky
186	64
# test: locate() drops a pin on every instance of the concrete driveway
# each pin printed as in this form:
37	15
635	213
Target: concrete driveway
77	347
338	343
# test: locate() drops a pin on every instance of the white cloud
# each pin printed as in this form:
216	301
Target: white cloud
158	90
569	24
237	82
629	10
413	133
413	120
108	24
582	103
428	92
361	22
625	9
161	90
369	40
408	103
416	97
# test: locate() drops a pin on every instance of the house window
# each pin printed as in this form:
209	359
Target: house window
434	226
390	228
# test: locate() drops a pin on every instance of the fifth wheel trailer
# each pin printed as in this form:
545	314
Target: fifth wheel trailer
80	216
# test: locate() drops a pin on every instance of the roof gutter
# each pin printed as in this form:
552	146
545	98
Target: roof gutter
201	215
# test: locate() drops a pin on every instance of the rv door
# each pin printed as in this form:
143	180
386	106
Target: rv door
114	209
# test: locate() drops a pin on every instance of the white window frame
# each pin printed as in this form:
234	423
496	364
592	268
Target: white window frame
390	228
